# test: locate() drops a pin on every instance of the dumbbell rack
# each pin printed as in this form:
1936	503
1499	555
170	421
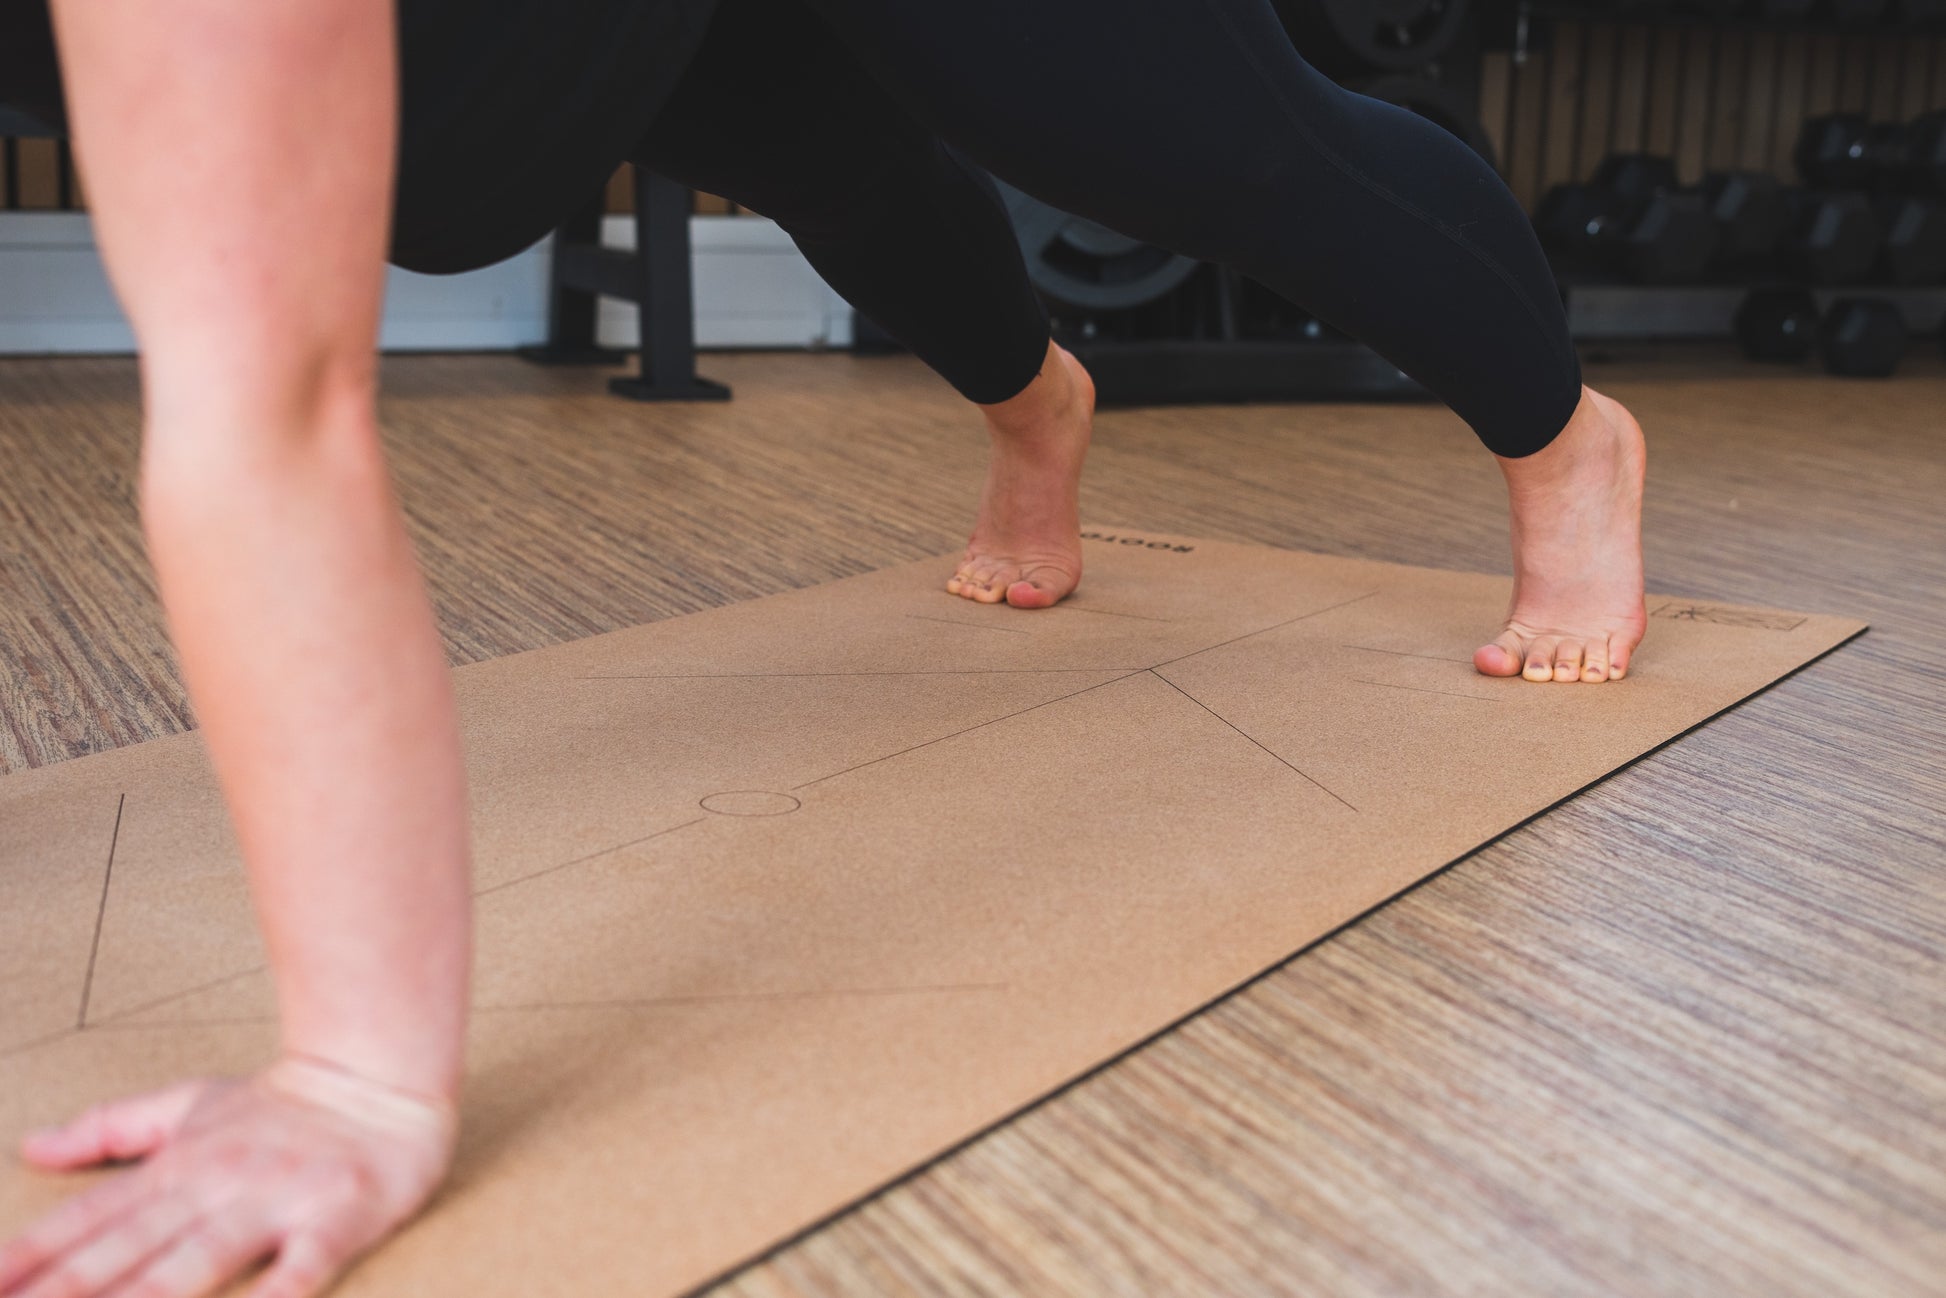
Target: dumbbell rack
1725	13
1609	310
1861	326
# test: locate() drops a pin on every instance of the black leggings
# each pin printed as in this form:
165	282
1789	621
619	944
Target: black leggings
1192	124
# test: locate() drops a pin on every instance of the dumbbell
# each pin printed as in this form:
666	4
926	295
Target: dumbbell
1862	337
1840	238
1838	151
1857	337
1832	238
1916	161
1752	215
1847	151
1913	250
1777	324
1634	217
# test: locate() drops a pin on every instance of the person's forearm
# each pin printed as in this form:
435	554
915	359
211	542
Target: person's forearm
239	160
311	656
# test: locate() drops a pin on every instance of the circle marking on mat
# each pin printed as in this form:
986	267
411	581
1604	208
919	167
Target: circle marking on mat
750	802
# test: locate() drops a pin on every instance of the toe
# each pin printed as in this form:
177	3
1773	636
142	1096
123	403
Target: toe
1568	657
990	582
1540	658
1620	651
1595	667
1026	593
1041	586
1501	658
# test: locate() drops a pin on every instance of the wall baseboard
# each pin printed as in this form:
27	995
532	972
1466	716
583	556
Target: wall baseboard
752	289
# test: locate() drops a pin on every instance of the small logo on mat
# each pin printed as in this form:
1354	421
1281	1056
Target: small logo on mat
1756	620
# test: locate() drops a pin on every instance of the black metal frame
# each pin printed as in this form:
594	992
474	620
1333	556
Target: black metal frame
655	277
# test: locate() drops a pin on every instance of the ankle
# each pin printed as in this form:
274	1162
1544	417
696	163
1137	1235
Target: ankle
1589	440
1043	405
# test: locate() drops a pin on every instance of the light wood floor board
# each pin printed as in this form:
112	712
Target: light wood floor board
1684	1035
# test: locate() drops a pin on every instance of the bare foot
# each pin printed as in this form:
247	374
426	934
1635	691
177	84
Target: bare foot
1026	546
1577	612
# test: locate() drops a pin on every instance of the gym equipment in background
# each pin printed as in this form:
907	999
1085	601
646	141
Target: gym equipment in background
1346	37
655	277
1852	15
1856	337
1080	264
1634	218
1867	213
1862	337
1777	324
1850	151
1751	216
1833	238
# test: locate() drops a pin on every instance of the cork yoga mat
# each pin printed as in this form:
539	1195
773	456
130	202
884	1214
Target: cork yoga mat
780	901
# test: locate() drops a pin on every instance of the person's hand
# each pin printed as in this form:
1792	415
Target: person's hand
303	1160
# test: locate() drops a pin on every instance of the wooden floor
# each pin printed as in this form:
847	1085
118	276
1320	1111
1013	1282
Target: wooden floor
1685	1035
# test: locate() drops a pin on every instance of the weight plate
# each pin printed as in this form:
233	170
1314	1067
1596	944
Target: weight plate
1389	35
1083	264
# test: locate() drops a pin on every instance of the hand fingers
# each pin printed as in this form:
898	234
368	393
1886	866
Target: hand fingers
130	1128
71	1223
217	1247
306	1264
117	1249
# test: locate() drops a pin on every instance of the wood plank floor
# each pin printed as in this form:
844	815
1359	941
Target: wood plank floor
1685	1035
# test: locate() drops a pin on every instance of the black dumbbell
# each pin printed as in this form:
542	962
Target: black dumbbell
1751	213
1862	337
1833	238
1563	219
1849	151
1838	151
1671	240
1919	166
1632	217
1635	177
1777	324
1913	250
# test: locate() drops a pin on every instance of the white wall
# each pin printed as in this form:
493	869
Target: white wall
752	289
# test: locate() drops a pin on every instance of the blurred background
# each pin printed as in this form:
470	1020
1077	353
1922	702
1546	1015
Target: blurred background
1769	171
